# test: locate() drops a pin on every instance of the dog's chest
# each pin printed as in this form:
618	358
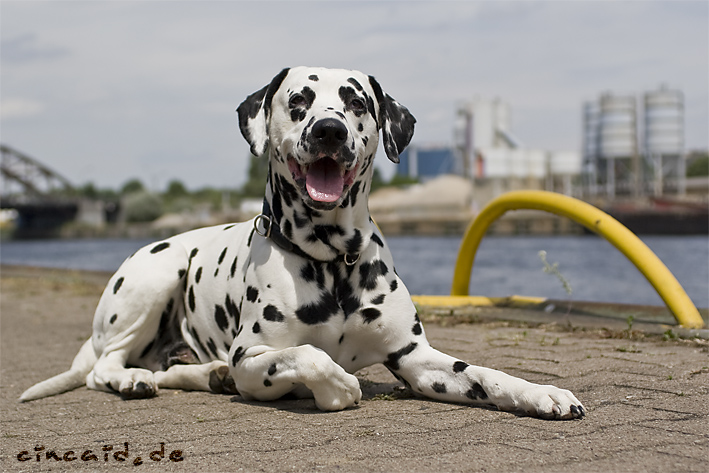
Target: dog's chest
266	296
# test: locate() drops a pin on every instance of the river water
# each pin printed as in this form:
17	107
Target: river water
503	266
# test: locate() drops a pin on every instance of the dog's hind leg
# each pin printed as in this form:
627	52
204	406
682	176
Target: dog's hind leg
136	305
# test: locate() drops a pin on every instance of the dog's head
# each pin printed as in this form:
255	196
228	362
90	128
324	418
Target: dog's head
321	128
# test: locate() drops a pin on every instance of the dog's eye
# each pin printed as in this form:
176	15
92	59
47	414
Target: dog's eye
297	100
357	105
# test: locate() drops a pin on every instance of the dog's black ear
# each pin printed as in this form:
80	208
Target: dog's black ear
254	114
395	120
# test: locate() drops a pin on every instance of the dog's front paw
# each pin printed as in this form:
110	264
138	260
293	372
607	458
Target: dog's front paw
550	402
338	392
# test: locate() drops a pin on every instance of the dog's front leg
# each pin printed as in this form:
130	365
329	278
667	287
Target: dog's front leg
265	374
440	376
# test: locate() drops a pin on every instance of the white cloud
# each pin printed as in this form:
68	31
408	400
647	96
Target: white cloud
13	108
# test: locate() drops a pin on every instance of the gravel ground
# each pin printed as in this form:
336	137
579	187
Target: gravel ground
647	401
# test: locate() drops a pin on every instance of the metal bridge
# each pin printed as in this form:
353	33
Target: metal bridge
43	199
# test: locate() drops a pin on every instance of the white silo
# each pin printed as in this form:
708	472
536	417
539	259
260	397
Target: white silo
617	143
663	143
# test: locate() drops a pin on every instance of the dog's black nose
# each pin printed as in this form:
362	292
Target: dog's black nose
329	132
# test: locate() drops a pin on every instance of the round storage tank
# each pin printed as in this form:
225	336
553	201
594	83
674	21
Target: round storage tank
664	122
617	126
590	130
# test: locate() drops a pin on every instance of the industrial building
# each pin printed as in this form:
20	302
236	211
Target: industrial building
486	150
624	155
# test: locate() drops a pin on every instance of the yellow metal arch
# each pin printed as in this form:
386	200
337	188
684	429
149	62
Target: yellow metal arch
595	220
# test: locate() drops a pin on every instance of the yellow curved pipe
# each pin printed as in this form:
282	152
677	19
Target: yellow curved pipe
595	220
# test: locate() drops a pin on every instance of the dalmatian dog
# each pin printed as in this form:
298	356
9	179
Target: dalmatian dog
302	296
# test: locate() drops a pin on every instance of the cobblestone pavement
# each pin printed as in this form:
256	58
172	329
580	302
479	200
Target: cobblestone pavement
647	401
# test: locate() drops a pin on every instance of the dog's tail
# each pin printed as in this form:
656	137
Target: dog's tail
76	376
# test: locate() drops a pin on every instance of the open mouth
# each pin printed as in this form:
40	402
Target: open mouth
325	180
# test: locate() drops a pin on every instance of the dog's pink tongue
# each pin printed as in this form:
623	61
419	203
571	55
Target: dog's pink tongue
324	182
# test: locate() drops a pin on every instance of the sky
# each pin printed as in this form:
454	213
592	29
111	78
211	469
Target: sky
107	91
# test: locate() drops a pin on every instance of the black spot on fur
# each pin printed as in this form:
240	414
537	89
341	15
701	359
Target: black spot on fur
220	318
318	312
212	347
379	299
354	82
113	318
190	298
344	293
251	294
439	388
324	232
300	222
307	272
194	253
288	229
393	286
118	285
370	314
267	383
369	272
181	273
459	366
222	255
354	244
342	337
158	248
198	275
232	309
393	359
360	128
354	192
313	78
417	330
313	273
238	355
377	240
272	369
233	268
271	313
476	392
256	328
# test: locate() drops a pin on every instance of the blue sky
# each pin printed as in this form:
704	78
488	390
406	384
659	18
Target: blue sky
111	90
